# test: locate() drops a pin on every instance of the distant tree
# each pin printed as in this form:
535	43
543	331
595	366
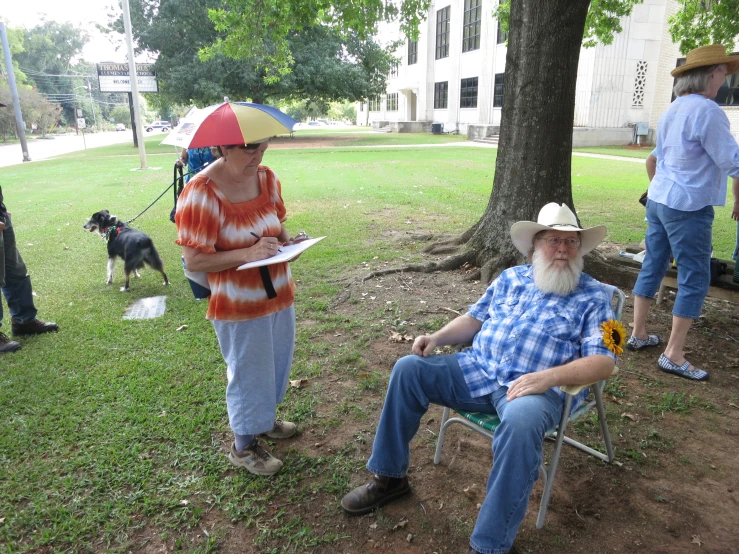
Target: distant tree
51	49
326	66
35	109
121	114
702	22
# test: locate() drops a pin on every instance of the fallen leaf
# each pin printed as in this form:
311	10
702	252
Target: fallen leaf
2	520
627	415
184	502
733	405
470	491
299	383
181	327
400	525
164	413
441	506
399	337
697	540
373	526
409	538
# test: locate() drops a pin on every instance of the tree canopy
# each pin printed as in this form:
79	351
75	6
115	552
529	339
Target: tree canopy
702	22
326	65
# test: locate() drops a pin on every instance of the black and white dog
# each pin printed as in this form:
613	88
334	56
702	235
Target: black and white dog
132	246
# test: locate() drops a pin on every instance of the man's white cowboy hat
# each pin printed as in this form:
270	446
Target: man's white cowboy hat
557	217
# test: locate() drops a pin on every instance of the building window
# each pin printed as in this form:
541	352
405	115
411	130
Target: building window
442	32
441	93
498	90
412	52
393	69
502	35
640	81
361	106
375	104
471	27
468	93
392	102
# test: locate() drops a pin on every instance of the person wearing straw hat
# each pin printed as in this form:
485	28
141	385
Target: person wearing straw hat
229	214
688	171
536	328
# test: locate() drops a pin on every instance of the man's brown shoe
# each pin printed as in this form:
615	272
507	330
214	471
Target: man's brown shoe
33	327
7	345
374	494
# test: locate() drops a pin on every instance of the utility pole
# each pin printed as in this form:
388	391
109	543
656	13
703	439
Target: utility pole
20	126
134	82
92	103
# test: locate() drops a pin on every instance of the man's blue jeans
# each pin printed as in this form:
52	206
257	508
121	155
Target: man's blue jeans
417	382
14	279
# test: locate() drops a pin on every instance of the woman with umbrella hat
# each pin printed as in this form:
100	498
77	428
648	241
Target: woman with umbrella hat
229	214
688	172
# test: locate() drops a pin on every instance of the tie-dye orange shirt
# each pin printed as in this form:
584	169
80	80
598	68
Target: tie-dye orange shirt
208	222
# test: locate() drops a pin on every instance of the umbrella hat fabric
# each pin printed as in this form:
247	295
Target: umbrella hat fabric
230	123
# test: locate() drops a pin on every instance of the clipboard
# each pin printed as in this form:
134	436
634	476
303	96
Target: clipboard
287	254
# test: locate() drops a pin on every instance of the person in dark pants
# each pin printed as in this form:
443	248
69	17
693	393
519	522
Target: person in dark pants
16	286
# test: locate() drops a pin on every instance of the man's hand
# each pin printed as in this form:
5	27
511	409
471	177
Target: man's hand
2	226
424	345
735	211
531	383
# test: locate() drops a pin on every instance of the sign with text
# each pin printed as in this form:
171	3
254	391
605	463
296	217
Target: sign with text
114	77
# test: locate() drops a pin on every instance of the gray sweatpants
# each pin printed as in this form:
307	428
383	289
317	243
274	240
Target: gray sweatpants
259	354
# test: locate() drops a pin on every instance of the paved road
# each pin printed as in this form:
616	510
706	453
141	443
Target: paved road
42	149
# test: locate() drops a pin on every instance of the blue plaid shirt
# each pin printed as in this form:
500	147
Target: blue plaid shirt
525	331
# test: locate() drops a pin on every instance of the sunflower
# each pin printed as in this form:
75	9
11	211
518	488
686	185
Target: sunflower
614	336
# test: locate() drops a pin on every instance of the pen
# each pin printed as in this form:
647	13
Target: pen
260	238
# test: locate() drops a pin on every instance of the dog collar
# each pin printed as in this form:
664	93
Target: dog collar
109	231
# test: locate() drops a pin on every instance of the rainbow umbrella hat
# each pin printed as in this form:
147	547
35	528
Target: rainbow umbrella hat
229	123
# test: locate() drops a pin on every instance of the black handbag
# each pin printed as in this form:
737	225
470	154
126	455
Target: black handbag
643	198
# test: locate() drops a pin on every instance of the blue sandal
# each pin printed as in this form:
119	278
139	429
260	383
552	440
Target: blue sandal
668	366
637	344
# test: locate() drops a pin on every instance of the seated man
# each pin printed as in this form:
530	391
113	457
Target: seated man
536	327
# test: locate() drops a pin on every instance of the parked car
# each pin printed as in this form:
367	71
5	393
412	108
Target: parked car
120	127
163	126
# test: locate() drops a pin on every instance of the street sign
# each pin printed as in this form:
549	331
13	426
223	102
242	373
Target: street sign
79	112
115	77
81	123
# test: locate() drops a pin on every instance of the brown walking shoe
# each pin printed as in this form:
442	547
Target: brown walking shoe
374	494
282	430
33	327
7	345
255	459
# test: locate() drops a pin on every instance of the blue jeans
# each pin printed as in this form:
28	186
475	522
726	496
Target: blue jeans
517	445
688	236
14	279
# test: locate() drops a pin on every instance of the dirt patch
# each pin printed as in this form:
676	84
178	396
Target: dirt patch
672	489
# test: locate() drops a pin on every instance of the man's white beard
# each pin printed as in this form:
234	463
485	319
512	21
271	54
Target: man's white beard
553	279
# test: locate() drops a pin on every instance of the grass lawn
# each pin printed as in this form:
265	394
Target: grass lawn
627	151
112	429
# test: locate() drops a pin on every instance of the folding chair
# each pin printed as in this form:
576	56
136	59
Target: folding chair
486	424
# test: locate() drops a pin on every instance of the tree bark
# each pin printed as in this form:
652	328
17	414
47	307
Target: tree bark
535	153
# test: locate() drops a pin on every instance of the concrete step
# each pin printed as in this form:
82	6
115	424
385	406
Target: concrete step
493	139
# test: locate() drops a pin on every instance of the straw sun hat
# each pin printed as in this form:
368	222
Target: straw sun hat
557	218
705	56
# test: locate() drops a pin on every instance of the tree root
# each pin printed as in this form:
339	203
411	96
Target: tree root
447	264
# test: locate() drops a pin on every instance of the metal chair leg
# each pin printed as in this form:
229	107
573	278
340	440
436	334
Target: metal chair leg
549	482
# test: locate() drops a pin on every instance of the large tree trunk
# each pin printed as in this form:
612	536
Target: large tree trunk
535	151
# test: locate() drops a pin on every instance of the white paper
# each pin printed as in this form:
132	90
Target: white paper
287	254
147	308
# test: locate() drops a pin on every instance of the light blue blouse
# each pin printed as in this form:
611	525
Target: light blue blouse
695	153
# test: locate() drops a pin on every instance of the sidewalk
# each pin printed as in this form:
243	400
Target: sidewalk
44	148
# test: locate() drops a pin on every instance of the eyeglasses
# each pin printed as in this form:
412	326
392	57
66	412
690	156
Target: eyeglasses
250	147
554	242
